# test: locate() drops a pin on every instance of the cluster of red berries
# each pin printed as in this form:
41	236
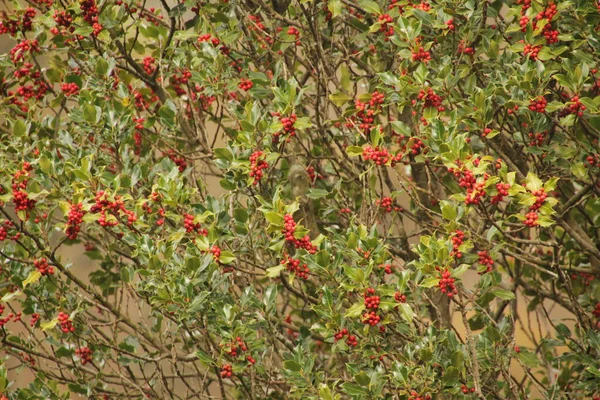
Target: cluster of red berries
417	146
365	113
450	24
351	340
399	297
486	131
90	14
371	318
462	48
446	284
380	156
586	278
74	221
63	19
538	105
386	203
11	316
512	110
296	266
312	174
288	125
596	311
537	139
43	267
179	80
24	25
548	14
421	55
178	160
502	189
414	395
388	30
526	5
6	225
148	65
70	89
103	205
345	210
208	37
260	31
486	261
290	229
66	325
466	389
371	300
457	240
387	268
430	99
531	219
576	108
216	252
19	183
237	345
532	51
541	196
593	160
476	192
18	52
294	32
190	226
245	84
257	164
376	99
34	319
226	371
84	354
137	135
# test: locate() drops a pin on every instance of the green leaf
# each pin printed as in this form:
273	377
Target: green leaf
90	113
203	357
354	390
355	310
226	257
292	365
503	294
19	128
354	151
127	273
407	312
448	211
325	392
45	164
451	376
275	271
369	6
340	98
430	282
529	359
460	271
533	182
274	218
317	193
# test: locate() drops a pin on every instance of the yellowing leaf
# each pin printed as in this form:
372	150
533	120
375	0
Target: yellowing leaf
49	325
33	277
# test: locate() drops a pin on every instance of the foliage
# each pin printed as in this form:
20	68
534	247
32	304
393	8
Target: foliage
300	199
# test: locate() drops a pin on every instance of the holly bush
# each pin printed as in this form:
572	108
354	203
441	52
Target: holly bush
300	199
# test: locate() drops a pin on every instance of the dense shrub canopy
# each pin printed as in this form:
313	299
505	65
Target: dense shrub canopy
308	199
